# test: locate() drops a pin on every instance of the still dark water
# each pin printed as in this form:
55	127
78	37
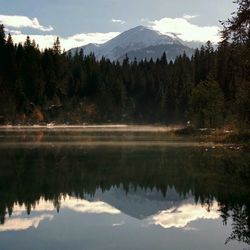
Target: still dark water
119	188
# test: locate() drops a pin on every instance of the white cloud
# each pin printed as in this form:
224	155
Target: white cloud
186	30
72	203
180	217
15	32
23	22
46	41
93	207
118	21
16	224
85	38
190	16
12	32
118	224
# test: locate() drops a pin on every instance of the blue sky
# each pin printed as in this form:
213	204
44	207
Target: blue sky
103	19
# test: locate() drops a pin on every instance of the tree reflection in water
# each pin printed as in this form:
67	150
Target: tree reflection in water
27	174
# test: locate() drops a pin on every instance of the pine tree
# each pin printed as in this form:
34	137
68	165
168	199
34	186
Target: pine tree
237	27
27	43
57	46
2	36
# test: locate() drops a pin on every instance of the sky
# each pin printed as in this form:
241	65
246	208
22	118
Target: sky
79	22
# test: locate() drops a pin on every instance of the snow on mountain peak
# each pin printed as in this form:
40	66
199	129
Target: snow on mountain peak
136	38
140	37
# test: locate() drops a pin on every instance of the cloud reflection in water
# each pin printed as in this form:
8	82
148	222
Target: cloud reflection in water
180	217
18	221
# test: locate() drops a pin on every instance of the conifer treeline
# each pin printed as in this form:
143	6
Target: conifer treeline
210	89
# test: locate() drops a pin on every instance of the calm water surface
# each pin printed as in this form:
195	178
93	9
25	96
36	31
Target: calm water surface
120	188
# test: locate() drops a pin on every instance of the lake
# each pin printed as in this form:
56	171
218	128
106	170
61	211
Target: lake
120	187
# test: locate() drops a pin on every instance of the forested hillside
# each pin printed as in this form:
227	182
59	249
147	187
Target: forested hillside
210	89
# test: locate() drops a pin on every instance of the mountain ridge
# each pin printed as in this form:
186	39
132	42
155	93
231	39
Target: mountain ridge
136	39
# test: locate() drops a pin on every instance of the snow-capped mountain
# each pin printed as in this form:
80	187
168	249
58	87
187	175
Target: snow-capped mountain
139	203
137	39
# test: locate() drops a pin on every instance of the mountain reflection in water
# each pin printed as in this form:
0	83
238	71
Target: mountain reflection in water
176	216
158	186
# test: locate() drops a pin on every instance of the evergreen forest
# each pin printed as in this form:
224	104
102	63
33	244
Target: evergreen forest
210	89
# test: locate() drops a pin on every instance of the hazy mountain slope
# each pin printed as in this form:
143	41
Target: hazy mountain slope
138	203
154	52
136	39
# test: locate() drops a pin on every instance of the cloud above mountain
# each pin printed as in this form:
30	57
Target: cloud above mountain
78	40
182	27
185	16
118	21
185	29
23	22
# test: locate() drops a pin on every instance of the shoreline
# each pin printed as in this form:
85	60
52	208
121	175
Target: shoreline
97	127
233	139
